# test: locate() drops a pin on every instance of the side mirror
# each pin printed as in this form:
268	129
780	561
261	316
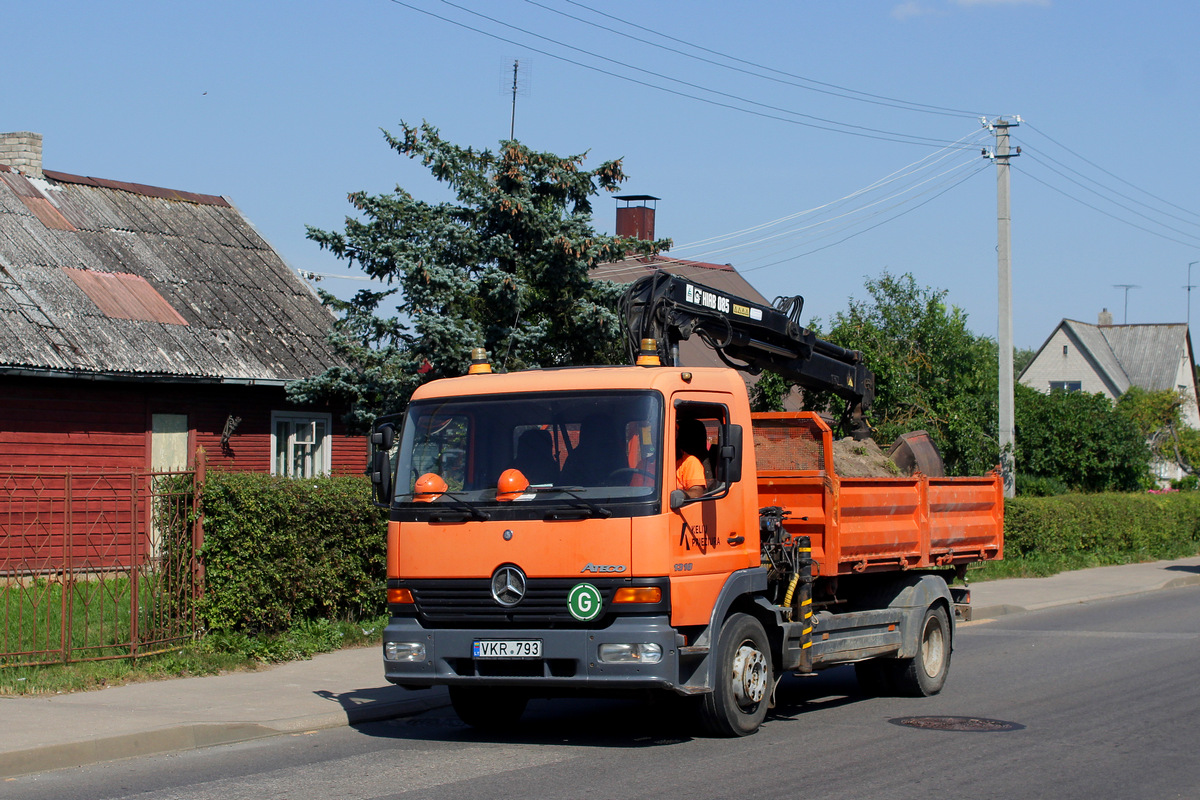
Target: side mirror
381	478
383	438
729	462
678	499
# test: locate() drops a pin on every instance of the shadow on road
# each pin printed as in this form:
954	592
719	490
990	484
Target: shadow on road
617	722
1192	568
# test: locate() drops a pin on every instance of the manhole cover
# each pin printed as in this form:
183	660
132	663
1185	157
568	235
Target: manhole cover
970	724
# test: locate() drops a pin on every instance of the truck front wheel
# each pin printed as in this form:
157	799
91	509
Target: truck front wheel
741	695
488	708
925	674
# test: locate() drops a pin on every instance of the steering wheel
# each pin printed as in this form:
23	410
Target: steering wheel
627	472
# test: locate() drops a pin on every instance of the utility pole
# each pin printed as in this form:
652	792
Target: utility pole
1126	287
1001	155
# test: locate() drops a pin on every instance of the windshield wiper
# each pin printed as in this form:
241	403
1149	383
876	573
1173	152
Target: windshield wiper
471	511
593	509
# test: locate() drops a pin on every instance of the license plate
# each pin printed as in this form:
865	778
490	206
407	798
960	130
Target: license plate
508	648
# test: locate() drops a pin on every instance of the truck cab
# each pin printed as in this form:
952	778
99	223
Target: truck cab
590	570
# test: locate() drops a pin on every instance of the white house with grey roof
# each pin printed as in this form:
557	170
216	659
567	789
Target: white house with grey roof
1109	359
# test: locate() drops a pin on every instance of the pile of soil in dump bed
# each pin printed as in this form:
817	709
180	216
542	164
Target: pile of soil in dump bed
863	459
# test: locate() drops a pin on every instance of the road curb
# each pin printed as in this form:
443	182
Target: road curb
177	738
983	613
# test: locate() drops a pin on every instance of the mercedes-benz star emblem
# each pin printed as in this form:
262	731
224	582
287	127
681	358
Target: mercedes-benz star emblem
508	586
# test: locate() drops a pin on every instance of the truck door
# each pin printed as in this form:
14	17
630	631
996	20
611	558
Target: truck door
709	540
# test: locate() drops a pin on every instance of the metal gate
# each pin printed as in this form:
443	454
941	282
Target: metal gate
97	564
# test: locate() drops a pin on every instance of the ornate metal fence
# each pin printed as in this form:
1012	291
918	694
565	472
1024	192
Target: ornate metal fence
97	565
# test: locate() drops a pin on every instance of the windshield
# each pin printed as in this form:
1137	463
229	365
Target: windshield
577	450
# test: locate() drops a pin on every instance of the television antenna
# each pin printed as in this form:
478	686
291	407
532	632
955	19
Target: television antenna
515	82
1126	287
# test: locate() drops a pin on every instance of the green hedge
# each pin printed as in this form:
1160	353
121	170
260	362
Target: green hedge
279	551
1109	528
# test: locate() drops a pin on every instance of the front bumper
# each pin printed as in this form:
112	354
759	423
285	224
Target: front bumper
570	657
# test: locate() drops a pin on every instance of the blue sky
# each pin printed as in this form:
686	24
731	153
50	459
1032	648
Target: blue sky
821	143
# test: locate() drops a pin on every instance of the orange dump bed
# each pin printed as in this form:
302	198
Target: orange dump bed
861	525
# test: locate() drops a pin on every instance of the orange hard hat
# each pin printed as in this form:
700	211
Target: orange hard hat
429	487
512	484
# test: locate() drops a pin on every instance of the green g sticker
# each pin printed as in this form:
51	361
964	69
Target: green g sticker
585	602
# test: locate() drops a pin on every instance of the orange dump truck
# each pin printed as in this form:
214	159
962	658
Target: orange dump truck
538	545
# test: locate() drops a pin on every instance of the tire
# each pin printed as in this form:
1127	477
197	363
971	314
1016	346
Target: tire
874	677
744	682
488	708
925	674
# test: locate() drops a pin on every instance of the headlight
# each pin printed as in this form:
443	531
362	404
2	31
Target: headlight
404	651
633	653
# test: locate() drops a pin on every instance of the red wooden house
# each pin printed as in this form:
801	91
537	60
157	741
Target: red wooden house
137	325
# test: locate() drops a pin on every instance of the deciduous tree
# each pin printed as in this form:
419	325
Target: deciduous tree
1076	441
931	371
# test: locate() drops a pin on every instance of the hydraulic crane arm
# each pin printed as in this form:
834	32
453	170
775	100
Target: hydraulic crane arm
748	336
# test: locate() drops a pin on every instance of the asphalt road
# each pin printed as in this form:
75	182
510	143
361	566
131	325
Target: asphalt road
1100	700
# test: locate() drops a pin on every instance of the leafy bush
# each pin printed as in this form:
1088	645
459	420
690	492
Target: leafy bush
1040	486
1107	528
281	551
1080	440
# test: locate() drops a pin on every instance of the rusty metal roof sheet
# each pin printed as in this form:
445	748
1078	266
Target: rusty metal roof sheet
138	188
123	296
33	199
143	281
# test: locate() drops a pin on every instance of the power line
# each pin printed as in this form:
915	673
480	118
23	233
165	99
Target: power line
865	95
844	215
1052	188
1110	174
861	132
1108	199
900	174
679	81
806	234
1112	190
845	94
965	178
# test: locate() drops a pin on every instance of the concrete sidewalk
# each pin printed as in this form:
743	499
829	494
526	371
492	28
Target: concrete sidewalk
334	689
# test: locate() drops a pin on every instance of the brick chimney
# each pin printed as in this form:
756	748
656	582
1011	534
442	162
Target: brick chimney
1105	317
23	151
636	221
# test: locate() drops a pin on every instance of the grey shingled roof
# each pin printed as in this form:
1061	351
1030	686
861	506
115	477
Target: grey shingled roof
1092	340
249	317
1150	354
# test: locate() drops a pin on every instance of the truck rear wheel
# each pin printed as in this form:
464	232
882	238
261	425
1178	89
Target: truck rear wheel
925	674
741	695
488	708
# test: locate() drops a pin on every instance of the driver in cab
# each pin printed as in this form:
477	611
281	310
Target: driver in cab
691	444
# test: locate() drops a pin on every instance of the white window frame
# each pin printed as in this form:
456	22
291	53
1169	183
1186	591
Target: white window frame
298	422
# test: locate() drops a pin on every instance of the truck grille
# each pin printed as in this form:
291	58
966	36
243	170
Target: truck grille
469	603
